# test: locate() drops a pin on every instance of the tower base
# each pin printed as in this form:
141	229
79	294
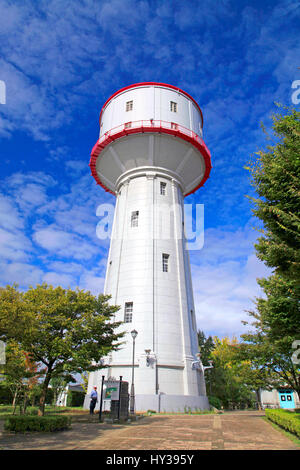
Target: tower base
171	403
162	403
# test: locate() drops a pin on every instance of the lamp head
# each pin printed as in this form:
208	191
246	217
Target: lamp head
134	334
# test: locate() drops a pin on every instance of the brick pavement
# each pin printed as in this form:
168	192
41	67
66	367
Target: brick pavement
243	430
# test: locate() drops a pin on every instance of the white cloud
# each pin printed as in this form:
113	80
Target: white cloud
58	279
50	238
14	246
224	281
24	274
64	244
91	282
10	217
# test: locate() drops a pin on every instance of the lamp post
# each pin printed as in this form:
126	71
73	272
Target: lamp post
134	334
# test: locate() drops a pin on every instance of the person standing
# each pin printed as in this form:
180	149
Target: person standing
94	399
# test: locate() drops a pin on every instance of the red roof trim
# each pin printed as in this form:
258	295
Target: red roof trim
197	143
137	85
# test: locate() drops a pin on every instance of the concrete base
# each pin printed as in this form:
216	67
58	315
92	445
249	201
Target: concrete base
162	403
171	403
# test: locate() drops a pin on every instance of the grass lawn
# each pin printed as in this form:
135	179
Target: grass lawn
6	410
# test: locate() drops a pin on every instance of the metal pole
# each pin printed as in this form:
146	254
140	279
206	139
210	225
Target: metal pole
132	381
101	398
119	404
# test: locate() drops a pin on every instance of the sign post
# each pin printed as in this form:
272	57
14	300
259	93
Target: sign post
101	398
119	404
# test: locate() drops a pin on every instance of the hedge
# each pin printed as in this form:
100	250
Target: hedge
37	423
286	419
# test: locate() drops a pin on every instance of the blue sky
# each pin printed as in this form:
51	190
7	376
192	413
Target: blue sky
61	60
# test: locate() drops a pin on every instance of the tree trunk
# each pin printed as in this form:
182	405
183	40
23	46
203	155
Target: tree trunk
297	390
14	403
41	411
25	403
258	399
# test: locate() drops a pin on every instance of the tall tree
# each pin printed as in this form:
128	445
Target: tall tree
65	331
206	346
275	176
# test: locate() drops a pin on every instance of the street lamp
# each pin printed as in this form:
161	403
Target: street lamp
134	334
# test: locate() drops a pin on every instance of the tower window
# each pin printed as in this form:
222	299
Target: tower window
173	106
165	262
163	188
128	312
129	105
135	219
193	320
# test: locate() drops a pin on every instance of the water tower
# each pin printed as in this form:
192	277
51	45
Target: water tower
150	155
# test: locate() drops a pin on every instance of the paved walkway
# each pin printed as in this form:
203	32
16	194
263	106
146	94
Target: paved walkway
242	430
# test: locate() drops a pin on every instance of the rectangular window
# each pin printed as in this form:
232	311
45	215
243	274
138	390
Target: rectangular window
165	262
163	188
128	312
193	320
129	105
135	219
173	106
173	125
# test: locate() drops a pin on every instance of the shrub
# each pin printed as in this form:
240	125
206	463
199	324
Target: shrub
5	409
6	396
37	423
215	402
286	419
32	411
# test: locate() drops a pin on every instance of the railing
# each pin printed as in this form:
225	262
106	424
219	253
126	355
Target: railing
141	126
147	125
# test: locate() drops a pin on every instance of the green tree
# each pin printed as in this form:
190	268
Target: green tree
85	381
206	346
228	374
234	377
275	176
65	331
19	373
250	371
272	357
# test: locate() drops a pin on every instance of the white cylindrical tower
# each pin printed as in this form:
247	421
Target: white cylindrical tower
151	154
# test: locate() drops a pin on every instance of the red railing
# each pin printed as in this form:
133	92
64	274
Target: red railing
147	125
151	125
